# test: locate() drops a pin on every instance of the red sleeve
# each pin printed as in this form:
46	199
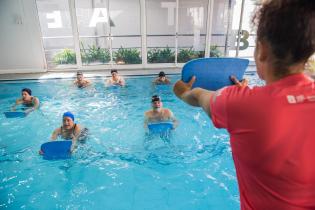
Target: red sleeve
218	108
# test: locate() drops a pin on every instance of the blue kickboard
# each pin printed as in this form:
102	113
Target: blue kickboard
214	73
14	114
56	150
160	127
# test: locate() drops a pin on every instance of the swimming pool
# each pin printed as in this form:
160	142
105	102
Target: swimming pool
118	168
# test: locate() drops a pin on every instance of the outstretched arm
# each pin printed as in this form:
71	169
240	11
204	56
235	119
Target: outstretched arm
195	97
198	96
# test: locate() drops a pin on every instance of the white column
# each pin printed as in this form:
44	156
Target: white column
176	32
209	28
240	29
143	19
75	32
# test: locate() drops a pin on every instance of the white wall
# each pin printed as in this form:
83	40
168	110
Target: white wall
21	49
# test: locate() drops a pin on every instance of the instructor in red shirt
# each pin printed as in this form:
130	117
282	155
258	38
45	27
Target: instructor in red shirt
272	130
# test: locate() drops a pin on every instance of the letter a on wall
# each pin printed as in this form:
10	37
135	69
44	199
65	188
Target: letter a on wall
99	16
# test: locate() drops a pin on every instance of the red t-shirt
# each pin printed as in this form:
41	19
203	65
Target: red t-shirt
272	134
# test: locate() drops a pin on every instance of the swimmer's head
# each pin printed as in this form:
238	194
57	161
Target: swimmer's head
114	71
79	75
68	120
68	114
156	102
162	74
26	92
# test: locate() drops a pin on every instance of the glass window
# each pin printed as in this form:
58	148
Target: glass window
125	31
161	29
93	26
247	38
221	27
192	26
56	30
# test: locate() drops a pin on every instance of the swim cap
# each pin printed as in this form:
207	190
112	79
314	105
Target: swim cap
162	74
29	91
155	98
68	114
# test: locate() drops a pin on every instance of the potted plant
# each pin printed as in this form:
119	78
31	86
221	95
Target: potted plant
127	56
66	56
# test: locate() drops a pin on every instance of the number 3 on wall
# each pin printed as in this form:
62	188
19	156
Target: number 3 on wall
243	40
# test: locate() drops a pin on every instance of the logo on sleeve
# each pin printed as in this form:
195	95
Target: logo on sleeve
300	99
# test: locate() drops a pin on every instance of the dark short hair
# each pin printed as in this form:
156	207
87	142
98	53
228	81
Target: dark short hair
161	74
29	91
79	73
113	70
288	26
155	98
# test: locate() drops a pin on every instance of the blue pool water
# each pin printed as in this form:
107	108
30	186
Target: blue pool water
119	167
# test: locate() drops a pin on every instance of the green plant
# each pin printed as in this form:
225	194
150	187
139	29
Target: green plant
67	56
185	55
127	56
214	51
94	53
164	55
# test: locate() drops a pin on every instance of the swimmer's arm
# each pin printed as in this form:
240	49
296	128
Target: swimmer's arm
77	133
146	121
173	119
122	81
17	102
108	82
195	97
55	134
88	82
156	81
36	105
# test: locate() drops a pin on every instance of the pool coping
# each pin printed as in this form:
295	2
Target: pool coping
87	74
92	74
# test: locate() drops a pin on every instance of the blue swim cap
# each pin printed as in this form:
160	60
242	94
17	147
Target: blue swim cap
68	114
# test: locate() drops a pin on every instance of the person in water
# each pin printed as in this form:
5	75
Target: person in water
30	102
69	131
80	81
271	127
158	113
115	79
162	79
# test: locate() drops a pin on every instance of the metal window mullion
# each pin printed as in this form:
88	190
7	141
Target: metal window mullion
176	32
143	19
75	32
109	35
240	28
209	28
228	29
